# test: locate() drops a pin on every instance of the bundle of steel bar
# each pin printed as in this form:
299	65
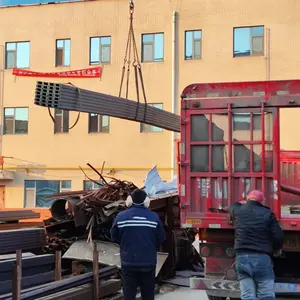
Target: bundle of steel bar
66	284
68	97
16	215
24	239
33	265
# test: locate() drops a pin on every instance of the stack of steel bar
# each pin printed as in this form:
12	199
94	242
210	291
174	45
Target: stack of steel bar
36	270
16	215
36	292
19	225
71	98
109	288
21	239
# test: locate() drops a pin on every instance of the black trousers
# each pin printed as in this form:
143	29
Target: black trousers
138	277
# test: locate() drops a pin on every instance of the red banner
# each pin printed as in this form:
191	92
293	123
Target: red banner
83	73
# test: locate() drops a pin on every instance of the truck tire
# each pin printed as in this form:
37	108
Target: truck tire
216	298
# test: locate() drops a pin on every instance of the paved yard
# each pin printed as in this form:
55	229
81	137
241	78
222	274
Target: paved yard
188	294
181	293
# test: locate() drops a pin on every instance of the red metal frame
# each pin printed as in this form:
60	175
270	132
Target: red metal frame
198	189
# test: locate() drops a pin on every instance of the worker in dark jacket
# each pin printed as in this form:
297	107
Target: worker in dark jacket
258	236
139	232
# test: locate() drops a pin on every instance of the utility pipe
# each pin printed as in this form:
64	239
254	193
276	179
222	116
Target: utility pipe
174	135
76	168
2	71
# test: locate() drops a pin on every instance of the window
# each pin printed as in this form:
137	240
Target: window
36	190
241	121
98	123
61	121
193	40
100	48
90	185
150	128
17	55
153	47
63	53
248	41
16	120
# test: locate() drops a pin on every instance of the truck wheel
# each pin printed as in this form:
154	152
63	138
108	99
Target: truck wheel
216	298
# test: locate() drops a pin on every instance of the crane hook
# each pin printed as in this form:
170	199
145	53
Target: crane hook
131	5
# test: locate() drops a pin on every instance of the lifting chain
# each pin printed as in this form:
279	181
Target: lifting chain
78	116
131	48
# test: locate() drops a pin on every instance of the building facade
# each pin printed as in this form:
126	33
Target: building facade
179	42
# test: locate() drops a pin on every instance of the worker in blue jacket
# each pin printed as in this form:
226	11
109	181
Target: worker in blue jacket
139	232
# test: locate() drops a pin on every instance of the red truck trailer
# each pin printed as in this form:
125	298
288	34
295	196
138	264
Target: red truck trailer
230	144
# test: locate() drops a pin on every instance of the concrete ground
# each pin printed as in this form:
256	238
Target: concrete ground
181	293
188	294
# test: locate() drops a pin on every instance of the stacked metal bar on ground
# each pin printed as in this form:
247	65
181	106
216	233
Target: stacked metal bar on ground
71	98
107	288
22	239
28	281
65	284
16	215
36	270
30	266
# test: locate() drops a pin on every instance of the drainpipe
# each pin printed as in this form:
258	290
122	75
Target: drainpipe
174	89
2	71
268	53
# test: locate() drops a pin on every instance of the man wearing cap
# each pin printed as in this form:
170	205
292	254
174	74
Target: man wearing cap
139	232
258	236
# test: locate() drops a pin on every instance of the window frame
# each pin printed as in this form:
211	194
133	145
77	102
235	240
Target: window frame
63	49
100	50
99	124
62	123
16	54
153	47
193	46
143	126
93	185
14	120
61	189
251	41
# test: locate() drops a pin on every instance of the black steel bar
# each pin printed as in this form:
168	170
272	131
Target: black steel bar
106	273
6	286
29	238
68	283
70	98
8	275
107	288
91	104
27	262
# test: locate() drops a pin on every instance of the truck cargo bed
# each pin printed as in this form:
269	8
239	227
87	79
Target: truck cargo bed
230	144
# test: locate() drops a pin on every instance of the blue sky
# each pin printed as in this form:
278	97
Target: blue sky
22	2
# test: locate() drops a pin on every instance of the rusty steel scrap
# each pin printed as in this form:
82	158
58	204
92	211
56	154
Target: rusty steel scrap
56	244
86	213
72	98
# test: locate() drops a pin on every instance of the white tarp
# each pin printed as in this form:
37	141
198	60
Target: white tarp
155	185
